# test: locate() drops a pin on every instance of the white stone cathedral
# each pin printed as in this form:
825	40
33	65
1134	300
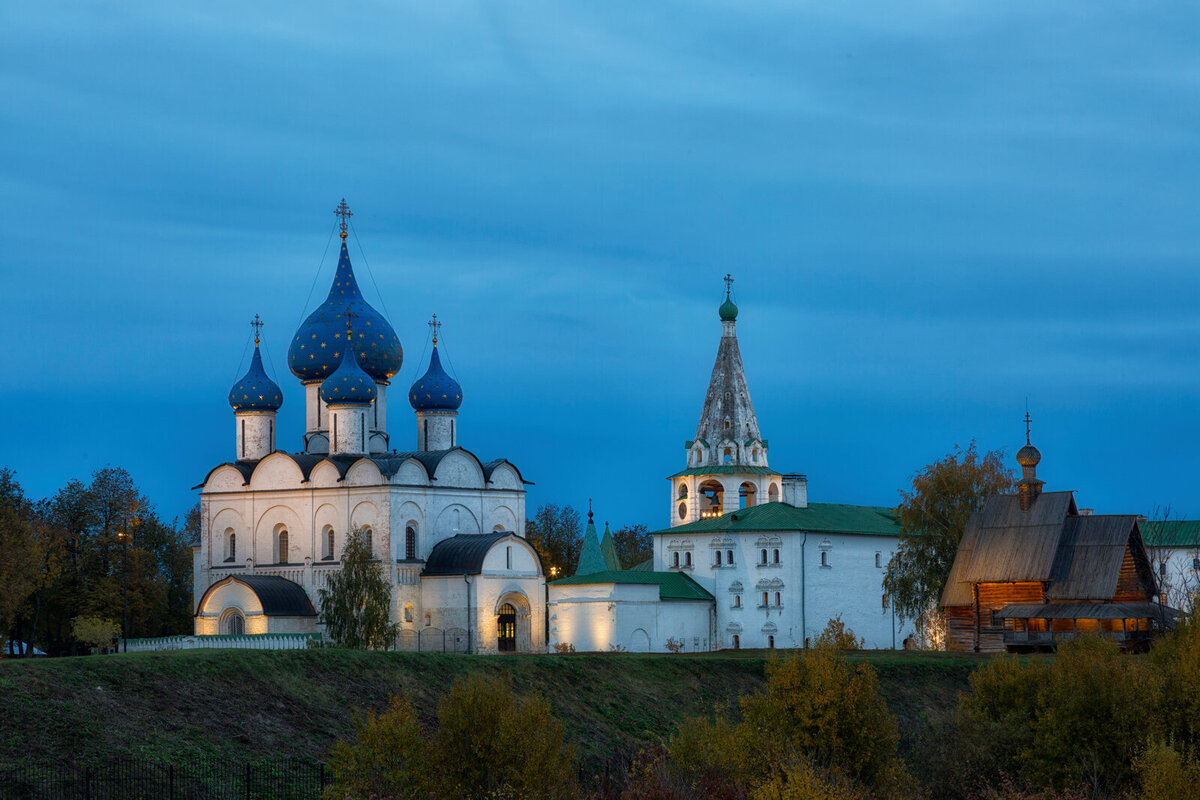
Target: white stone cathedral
747	561
447	526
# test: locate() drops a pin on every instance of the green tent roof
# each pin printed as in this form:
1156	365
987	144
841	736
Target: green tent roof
817	517
591	559
671	585
1171	533
608	550
725	470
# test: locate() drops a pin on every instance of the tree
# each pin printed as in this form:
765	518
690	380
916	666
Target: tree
355	609
489	743
933	516
556	532
634	544
837	636
95	632
20	553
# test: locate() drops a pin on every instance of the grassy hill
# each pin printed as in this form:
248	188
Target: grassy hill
246	705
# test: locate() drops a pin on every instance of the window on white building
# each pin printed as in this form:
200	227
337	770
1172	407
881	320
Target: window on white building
675	559
687	558
778	599
766	600
410	542
737	642
771	642
763	556
283	546
729	557
718	558
775	556
1162	569
737	601
878	560
231	545
824	558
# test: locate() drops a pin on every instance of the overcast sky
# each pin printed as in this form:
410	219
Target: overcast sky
933	211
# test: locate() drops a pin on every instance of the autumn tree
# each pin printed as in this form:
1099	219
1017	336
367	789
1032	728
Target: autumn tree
933	516
556	532
20	553
356	606
634	544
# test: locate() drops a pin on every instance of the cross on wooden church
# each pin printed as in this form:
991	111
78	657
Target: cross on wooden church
728	284
345	213
257	324
436	326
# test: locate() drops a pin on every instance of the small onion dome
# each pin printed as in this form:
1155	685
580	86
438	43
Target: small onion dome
312	352
435	390
349	383
728	310
255	391
1028	456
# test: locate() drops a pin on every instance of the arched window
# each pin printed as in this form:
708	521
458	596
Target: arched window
766	600
283	546
729	557
234	623
763	554
675	559
408	612
330	552
778	600
878	561
1162	569
727	458
824	558
775	556
687	558
718	558
771	642
508	557
737	642
711	499
231	545
737	601
773	493
746	495
410	542
683	491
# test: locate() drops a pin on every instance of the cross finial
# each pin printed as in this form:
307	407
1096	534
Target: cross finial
345	213
257	324
728	284
589	509
435	326
349	315
1026	422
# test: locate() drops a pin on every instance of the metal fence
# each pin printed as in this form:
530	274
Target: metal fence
142	779
433	640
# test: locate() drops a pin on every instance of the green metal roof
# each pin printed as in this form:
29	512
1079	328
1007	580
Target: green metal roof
671	585
817	517
608	550
591	557
725	470
1171	533
644	566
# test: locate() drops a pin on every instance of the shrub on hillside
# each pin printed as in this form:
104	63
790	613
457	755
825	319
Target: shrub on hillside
489	743
838	636
1164	773
817	708
96	633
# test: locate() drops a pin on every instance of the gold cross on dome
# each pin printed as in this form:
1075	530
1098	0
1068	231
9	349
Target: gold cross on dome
349	315
436	326
728	284
257	324
345	213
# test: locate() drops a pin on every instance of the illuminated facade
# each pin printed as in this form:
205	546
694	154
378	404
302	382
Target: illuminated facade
446	526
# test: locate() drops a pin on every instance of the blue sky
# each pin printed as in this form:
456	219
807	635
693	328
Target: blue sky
932	213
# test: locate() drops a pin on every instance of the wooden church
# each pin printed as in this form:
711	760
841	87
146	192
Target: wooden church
1032	571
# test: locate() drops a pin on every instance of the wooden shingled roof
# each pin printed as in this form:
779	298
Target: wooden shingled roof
1078	557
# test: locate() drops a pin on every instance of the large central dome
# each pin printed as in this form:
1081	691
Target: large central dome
316	351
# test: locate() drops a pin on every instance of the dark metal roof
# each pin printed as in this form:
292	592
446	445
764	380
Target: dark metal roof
279	596
463	554
388	463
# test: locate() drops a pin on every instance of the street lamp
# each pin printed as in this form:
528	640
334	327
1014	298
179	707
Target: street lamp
124	536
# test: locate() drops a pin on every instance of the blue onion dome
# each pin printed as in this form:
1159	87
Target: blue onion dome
728	310
435	390
349	383
255	391
312	353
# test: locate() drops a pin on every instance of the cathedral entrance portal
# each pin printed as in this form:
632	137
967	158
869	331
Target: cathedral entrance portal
506	625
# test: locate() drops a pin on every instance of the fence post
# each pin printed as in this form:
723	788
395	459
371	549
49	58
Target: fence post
247	780
171	781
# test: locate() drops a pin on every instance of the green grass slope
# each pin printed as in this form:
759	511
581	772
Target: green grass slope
248	705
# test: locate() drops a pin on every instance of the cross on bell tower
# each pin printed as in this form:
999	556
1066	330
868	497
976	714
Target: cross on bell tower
728	284
345	213
435	326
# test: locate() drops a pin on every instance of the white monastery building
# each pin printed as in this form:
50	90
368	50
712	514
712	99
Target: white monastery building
747	560
447	526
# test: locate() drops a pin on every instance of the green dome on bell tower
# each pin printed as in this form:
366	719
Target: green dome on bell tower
728	310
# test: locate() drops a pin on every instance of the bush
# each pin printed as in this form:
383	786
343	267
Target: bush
817	708
95	632
837	636
1163	773
489	743
564	647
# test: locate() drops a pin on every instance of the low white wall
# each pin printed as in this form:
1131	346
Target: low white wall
265	641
